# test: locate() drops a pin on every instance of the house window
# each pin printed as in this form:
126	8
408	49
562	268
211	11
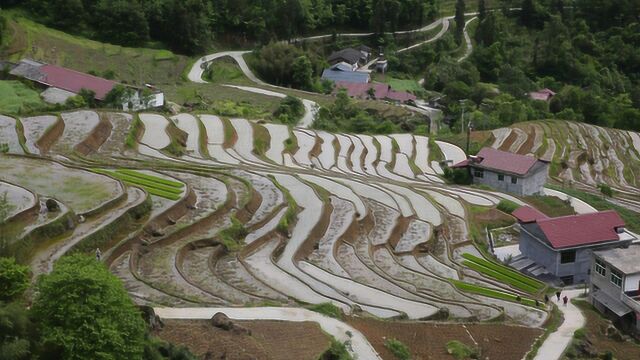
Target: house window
514	180
600	268
616	278
568	257
479	173
500	177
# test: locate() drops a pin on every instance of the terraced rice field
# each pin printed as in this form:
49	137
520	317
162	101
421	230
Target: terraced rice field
358	221
581	155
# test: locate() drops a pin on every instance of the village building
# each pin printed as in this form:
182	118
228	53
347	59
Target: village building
504	171
542	95
61	83
353	57
344	72
615	286
560	248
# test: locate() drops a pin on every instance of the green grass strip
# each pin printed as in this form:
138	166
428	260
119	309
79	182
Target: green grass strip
147	183
156	179
498	276
505	271
496	294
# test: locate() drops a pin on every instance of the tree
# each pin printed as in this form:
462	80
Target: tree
15	332
14	279
121	22
482	10
459	19
605	190
89	97
302	73
85	313
527	13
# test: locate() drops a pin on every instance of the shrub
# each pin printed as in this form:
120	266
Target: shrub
460	176
507	206
461	351
398	349
327	309
14	279
337	351
580	334
290	110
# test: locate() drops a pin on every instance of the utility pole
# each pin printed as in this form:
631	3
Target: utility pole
469	128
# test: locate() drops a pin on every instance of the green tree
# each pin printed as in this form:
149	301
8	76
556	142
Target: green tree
482	10
459	19
14	279
15	332
89	97
605	190
121	22
85	313
302	73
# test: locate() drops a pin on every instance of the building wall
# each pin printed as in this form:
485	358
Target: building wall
530	185
550	258
604	282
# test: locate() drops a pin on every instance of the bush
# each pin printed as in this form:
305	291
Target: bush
461	351
327	309
14	279
460	176
290	110
507	206
398	349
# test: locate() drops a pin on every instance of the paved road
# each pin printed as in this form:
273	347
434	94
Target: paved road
558	341
360	346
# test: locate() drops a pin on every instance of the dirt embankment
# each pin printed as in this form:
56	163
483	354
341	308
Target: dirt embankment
311	243
506	145
268	339
428	340
50	136
96	138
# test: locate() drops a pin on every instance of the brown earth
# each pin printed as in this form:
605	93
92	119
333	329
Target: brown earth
96	138
50	136
427	340
269	339
595	331
508	141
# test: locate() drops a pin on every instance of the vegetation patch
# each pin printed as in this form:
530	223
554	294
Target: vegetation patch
551	206
233	236
507	206
327	309
154	185
18	98
503	273
492	293
398	349
461	351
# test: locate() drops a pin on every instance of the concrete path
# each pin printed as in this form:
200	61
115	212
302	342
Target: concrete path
467	40
557	342
360	347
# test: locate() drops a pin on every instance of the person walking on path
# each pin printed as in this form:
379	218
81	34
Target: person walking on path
98	254
546	299
565	300
558	295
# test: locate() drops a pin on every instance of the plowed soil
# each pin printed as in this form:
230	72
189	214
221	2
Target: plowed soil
429	340
269	339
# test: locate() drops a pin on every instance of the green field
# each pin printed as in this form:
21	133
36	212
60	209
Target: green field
401	84
481	290
502	273
16	97
28	39
154	185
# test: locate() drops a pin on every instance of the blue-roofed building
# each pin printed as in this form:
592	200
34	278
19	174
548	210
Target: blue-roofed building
345	73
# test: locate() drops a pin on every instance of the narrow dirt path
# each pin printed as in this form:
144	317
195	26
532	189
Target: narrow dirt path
467	39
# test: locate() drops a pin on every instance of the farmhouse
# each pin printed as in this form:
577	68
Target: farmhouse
542	95
353	57
62	83
344	72
505	171
563	246
615	285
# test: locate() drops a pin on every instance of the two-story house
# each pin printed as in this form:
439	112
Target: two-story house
518	174
563	245
615	285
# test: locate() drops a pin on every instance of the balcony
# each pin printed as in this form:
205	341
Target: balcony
632	299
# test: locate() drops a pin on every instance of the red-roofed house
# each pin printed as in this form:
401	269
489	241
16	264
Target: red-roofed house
66	83
542	95
563	245
505	171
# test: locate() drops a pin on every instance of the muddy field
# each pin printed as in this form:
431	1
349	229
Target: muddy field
427	341
269	339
